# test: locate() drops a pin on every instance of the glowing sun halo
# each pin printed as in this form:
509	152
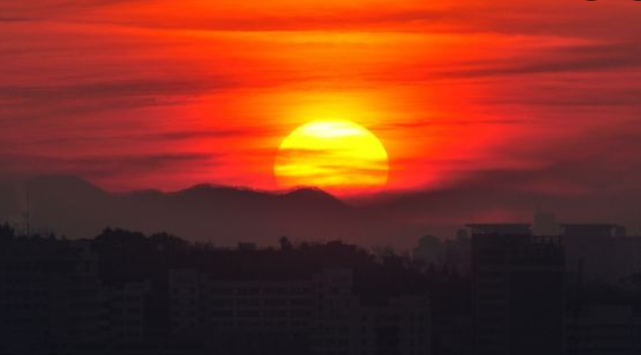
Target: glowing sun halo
336	155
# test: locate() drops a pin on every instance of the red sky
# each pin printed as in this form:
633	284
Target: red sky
134	94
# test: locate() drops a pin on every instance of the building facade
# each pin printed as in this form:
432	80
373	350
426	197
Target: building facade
318	315
519	291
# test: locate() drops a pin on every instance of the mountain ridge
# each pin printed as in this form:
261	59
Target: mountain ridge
219	214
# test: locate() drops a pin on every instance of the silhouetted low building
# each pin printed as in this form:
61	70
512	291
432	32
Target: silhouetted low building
600	252
126	293
317	315
453	334
124	310
241	316
49	296
598	329
53	301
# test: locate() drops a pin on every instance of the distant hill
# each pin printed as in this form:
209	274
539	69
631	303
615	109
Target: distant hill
226	215
221	215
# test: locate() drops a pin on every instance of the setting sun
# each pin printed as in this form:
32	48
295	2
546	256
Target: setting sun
336	155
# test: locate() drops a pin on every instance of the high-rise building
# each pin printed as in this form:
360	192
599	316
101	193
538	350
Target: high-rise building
519	291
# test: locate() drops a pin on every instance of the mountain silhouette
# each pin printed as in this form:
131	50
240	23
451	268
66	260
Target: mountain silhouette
226	215
207	213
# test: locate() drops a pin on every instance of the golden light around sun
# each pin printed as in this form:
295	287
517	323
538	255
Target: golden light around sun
335	155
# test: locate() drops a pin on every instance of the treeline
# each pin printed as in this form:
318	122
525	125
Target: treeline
379	274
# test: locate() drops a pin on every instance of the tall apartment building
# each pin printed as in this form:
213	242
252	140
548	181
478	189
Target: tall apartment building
519	291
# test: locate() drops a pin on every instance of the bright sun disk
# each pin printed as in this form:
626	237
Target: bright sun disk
336	155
